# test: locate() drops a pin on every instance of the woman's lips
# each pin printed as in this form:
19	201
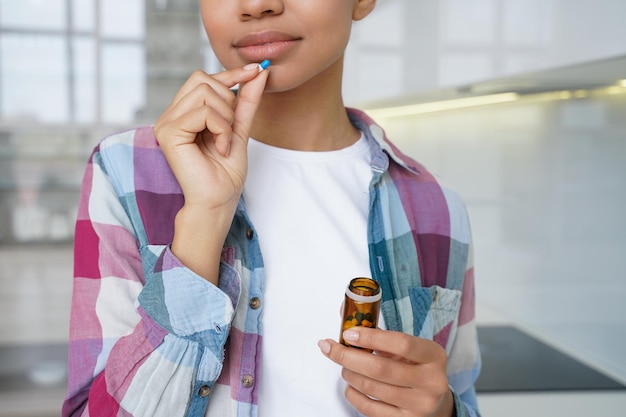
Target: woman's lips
266	45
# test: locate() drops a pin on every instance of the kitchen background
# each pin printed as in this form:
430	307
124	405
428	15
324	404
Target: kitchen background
520	105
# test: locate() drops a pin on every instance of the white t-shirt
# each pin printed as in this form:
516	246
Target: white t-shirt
310	212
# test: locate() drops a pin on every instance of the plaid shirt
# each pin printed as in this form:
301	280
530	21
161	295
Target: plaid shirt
151	338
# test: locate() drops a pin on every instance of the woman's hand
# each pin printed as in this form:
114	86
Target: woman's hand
406	376
204	136
204	133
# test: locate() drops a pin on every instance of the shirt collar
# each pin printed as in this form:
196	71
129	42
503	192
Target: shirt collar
379	143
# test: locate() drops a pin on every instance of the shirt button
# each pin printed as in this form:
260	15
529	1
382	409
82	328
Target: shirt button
255	302
249	233
247	381
204	391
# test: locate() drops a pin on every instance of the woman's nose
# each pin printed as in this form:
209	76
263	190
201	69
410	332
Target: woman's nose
256	9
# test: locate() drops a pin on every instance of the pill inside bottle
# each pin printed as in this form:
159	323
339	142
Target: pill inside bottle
361	305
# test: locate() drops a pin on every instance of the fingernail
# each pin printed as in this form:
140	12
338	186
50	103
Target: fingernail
351	335
324	346
251	67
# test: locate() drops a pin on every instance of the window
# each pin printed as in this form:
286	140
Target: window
72	71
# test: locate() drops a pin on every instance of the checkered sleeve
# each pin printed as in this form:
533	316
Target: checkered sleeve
464	355
146	333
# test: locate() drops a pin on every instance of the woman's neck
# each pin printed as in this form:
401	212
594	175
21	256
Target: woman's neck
311	117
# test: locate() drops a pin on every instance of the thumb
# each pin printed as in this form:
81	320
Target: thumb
248	100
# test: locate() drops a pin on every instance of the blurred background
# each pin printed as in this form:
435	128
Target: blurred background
520	105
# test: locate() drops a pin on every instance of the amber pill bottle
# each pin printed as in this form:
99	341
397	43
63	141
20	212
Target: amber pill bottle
361	305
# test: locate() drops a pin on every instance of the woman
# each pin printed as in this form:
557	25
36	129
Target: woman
212	250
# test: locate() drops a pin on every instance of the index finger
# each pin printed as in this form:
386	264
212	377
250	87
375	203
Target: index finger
408	347
220	82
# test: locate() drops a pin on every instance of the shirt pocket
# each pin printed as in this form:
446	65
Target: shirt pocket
435	313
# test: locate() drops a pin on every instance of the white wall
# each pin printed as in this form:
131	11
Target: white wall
410	46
